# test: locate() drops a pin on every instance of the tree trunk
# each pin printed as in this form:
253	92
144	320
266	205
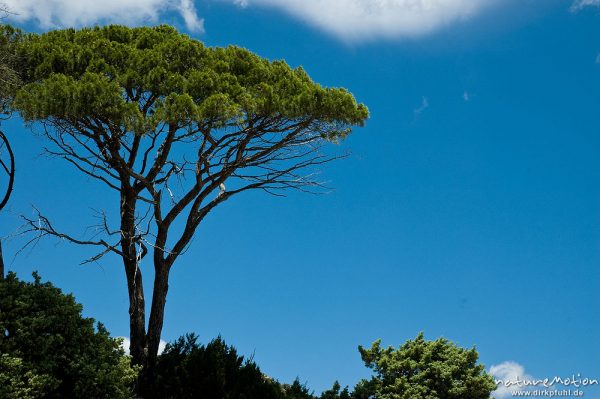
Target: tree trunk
135	287
157	312
137	313
155	325
11	182
1	262
10	171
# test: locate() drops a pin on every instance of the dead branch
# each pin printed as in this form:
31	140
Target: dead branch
40	227
272	154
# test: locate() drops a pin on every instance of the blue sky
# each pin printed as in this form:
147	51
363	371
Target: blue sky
469	208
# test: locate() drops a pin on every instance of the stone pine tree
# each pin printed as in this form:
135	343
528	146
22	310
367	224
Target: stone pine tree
175	128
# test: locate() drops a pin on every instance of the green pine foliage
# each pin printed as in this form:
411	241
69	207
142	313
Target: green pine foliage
422	369
110	72
9	79
18	381
336	392
49	350
297	390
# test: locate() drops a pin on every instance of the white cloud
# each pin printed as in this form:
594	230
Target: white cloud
126	342
351	20
161	346
77	13
579	4
188	12
357	20
507	371
598	59
466	96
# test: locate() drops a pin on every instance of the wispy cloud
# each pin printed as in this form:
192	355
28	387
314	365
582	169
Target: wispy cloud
424	105
580	4
76	13
598	59
126	342
350	20
359	20
190	16
466	96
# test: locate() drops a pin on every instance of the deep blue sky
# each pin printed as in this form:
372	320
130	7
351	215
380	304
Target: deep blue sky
476	219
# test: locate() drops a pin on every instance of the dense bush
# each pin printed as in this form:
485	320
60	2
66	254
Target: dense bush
49	350
187	369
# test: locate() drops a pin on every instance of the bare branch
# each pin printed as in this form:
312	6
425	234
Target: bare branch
41	227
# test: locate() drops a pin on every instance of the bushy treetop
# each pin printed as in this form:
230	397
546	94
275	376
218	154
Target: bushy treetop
421	369
141	77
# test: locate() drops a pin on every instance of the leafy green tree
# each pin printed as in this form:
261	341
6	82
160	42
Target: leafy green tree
176	129
49	350
187	369
422	369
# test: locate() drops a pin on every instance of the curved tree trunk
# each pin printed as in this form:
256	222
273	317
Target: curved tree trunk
10	170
